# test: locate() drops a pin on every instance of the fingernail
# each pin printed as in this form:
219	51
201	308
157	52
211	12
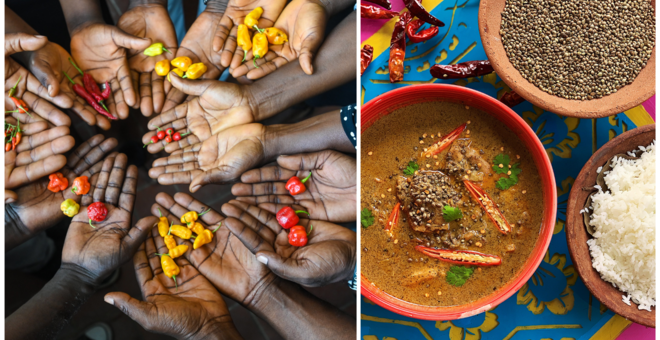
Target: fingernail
109	300
50	89
9	200
40	36
195	188
262	259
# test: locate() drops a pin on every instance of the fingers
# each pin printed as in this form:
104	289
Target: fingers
139	311
90	152
266	67
229	46
118	106
157	92
277	199
129	190
44	109
102	180
190	87
306	161
139	233
221	33
261	221
120	38
191	204
174	98
116	181
176	169
56	147
47	76
31	142
20	42
10	197
249	237
146	101
259	189
143	272
32	172
127	89
165	118
150	248
93	174
238	159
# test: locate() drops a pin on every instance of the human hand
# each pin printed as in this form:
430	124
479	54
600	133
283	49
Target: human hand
304	23
219	159
28	86
149	21
39	208
225	261
193	310
102	249
329	256
215	106
330	194
100	50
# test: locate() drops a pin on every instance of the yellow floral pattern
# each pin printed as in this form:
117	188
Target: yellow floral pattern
559	305
473	333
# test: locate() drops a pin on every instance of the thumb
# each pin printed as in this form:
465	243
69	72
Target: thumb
123	39
190	87
285	268
20	42
305	60
139	311
10	196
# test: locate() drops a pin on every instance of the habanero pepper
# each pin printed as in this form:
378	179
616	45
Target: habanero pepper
205	237
81	185
170	242
366	56
243	39
69	207
96	212
252	19
287	217
298	236
162	67
181	231
373	12
398	48
195	71
192	216
155	50
79	90
179	72
196	227
182	63
170	269
424	35
382	3
296	186
176	251
57	182
511	99
467	69
163	226
259	47
276	36
417	10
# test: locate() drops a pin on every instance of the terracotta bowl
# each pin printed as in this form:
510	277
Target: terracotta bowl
396	99
641	89
576	231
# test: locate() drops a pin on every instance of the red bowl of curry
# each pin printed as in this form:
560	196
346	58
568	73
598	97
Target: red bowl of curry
463	200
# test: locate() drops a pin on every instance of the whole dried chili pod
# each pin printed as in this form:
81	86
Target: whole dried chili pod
92	87
424	35
382	3
463	70
373	12
511	99
79	90
416	9
366	55
398	48
107	91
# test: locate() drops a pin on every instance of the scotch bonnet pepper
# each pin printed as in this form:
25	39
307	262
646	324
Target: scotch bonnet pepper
96	212
276	36
70	207
296	186
195	71
298	236
57	182
178	72
182	63
287	217
162	67
81	185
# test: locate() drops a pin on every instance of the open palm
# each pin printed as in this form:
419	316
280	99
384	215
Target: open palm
330	194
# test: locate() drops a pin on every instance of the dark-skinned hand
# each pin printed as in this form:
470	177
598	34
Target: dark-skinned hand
304	22
225	262
329	256
101	50
193	310
219	159
330	194
149	21
35	95
216	106
39	208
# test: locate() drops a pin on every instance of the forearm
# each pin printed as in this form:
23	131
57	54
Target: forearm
334	65
15	231
78	13
335	6
306	317
135	3
15	24
224	330
51	309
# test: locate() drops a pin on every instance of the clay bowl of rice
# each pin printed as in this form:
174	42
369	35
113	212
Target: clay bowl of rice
610	225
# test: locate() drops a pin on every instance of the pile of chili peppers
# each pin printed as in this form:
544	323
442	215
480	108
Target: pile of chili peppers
288	219
262	37
91	92
168	136
13	135
80	186
184	68
404	26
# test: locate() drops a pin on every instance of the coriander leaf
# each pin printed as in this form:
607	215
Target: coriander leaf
366	218
410	170
501	159
515	170
505	183
450	213
457	275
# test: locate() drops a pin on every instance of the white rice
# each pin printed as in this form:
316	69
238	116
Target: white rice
623	247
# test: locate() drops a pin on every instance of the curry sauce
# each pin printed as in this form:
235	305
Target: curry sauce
389	258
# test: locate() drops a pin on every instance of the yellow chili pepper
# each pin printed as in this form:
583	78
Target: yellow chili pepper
196	227
259	47
178	71
181	63
181	231
176	252
252	19
192	216
155	49
243	39
195	71
205	237
276	36
170	242
162	67
163	226
70	207
170	269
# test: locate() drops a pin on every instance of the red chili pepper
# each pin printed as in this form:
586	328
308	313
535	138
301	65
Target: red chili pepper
21	106
79	90
160	134
57	182
18	137
367	55
417	10
13	143
106	91
287	217
382	3
373	12
169	131
464	257
168	139
154	139
8	147
177	136
298	236
463	70
296	186
488	206
394	217
445	142
398	48
96	212
90	85
424	35
512	99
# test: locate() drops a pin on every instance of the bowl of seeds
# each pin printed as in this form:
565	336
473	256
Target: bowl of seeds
581	58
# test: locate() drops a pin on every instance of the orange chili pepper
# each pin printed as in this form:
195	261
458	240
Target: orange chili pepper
81	185
182	63
178	71
162	67
276	36
259	47
57	182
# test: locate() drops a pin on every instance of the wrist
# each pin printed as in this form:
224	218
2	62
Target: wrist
272	141
221	328
79	277
216	6
146	3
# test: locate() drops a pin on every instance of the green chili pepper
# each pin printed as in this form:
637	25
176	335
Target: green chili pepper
155	49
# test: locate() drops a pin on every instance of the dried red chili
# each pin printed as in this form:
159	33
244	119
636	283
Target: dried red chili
489	206
79	90
463	70
464	257
382	3
511	99
296	186
373	12
287	217
398	48
423	35
417	10
106	91
444	142
366	55
96	212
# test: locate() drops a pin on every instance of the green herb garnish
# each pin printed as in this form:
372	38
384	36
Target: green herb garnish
504	160
506	182
366	218
411	168
450	213
457	275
